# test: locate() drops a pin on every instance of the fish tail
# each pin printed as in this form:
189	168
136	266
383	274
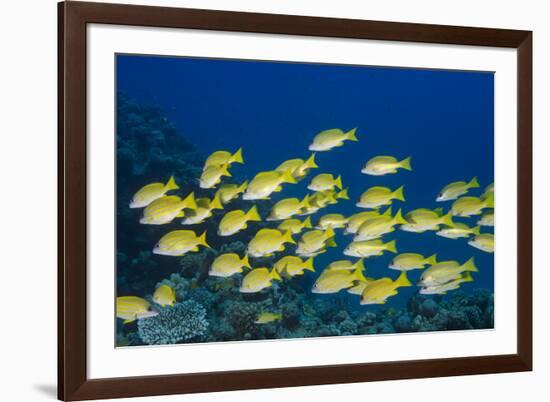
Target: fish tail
439	211
237	157
202	240
398	218
390	246
307	223
338	182
308	264
470	266
448	220
305	202
350	135
310	162
398	194
343	194
331	242
287	237
402	280
288	178
431	260
406	163
171	185
245	262
275	275
387	212
329	233
490	201
476	230
216	202
359	264
358	274
189	202
473	183
253	215
243	187
225	170
467	277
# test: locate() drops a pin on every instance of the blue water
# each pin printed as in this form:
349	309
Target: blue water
442	119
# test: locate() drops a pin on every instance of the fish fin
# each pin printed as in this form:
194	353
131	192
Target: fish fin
387	212
402	280
398	194
310	162
431	260
359	264
237	157
277	189
476	230
253	215
473	183
350	135
470	266
338	182
439	211
287	237
242	187
180	214
331	242
288	178
307	223
343	194
171	185
202	240
406	163
490	201
308	264
390	246
275	275
467	277
216	202
447	220
398	218
245	261
189	201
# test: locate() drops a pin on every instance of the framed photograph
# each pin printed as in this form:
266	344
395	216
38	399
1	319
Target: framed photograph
252	200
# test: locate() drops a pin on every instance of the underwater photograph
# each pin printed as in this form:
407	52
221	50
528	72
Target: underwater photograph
264	200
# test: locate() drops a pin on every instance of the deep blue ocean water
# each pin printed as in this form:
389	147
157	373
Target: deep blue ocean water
442	119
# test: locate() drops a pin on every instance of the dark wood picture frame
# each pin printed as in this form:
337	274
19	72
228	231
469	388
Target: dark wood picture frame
73	383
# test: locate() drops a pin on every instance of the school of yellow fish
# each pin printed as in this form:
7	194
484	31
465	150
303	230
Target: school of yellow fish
367	227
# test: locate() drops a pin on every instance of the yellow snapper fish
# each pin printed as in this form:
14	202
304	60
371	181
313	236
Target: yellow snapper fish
360	286
489	191
287	208
228	192
219	158
268	241
346	265
164	296
487	219
266	183
378	291
452	285
179	242
457	231
202	211
212	175
456	189
469	206
484	242
166	209
314	242
376	197
298	167
369	248
335	221
382	165
423	219
235	221
228	264
445	271
131	308
152	192
332	138
333	281
357	220
295	225
266	318
376	227
410	261
325	181
258	279
293	266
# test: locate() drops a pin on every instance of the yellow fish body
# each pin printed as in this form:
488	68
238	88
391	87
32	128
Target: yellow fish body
333	281
268	241
457	231
152	192
376	197
374	228
346	265
487	219
356	220
295	225
369	248
452	285
298	167
454	190
410	261
314	242
228	192
293	266
131	308
228	264
265	318
484	242
469	206
166	209
202	211
335	221
423	219
287	207
382	165
378	291
179	242
235	221
258	279
445	271
219	158
266	183
164	296
332	138
212	175
325	181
